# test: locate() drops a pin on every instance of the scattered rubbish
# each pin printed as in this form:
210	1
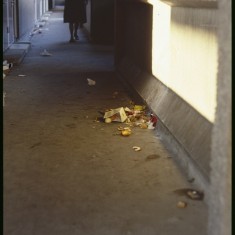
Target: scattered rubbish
99	119
127	110
7	67
136	148
45	53
126	132
21	75
152	157
36	30
108	120
91	82
195	195
139	107
152	122
181	204
190	193
3	75
117	115
143	126
135	116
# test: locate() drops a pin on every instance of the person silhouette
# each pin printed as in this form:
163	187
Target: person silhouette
75	15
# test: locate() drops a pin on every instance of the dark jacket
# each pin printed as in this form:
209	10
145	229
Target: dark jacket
75	11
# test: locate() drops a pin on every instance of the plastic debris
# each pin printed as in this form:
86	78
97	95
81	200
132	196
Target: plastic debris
3	75
7	66
117	115
135	116
21	75
45	53
152	122
136	148
91	82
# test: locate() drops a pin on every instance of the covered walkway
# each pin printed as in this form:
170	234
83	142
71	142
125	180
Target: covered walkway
67	174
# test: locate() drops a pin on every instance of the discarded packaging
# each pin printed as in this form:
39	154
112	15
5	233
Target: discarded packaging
153	119
45	53
91	82
117	115
136	148
152	122
150	126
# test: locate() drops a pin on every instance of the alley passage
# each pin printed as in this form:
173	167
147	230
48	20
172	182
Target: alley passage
67	174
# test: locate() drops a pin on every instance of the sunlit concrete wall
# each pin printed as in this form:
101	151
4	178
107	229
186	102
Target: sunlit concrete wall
185	54
181	87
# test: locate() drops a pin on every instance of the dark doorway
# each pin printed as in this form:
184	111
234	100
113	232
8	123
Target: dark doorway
134	33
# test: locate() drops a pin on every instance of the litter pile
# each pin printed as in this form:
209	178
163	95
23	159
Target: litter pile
6	69
136	116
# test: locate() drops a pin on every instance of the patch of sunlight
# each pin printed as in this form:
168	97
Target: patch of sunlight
184	57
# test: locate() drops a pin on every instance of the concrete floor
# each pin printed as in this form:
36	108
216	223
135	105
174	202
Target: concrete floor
65	174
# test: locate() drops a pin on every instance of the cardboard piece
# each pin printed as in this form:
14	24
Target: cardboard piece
117	115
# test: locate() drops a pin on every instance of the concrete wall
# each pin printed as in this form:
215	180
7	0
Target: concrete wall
26	16
87	25
178	81
28	13
220	206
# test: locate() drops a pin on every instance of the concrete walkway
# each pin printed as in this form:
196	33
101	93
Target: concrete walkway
64	173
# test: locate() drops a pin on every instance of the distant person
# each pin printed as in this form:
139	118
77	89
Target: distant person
75	15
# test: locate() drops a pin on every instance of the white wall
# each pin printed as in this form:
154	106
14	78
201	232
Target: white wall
185	54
